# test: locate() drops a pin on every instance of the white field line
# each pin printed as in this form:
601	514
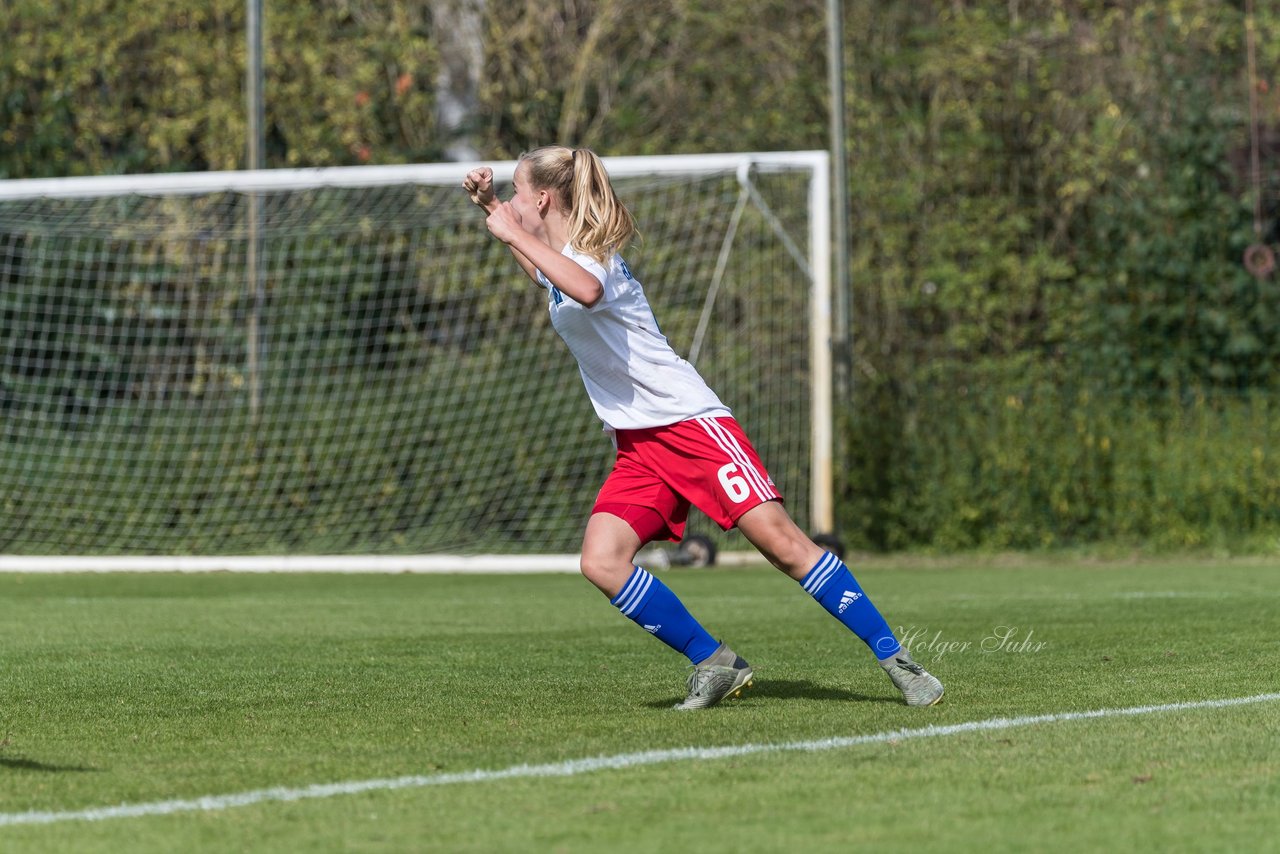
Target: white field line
574	767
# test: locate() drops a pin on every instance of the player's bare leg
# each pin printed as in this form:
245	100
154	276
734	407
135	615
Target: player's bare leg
771	530
608	549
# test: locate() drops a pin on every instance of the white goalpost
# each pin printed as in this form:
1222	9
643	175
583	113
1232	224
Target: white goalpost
355	378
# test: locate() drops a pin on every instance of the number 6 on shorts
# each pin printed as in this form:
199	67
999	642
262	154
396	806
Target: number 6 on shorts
735	486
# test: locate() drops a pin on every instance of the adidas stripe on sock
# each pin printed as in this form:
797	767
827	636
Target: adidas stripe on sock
652	606
833	585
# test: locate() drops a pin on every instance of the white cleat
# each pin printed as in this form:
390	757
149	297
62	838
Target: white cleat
724	674
919	687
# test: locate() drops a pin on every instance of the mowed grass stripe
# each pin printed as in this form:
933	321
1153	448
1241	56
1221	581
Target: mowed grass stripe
600	763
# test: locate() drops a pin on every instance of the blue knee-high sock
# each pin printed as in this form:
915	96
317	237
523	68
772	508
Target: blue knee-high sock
833	585
657	610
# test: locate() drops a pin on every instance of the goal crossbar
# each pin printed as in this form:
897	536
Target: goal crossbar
437	174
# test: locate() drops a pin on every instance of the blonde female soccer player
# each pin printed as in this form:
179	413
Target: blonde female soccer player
677	443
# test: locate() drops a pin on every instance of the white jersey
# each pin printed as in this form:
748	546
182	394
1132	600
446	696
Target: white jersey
632	375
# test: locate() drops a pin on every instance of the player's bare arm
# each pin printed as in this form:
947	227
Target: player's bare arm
479	186
566	274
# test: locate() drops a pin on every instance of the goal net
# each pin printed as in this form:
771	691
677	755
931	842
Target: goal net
343	362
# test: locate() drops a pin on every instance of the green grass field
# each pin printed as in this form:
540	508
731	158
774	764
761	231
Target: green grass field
154	690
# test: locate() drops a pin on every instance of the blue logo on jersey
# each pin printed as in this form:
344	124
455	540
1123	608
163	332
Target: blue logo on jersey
626	271
556	296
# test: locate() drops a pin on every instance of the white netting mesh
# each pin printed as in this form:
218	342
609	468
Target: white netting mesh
414	398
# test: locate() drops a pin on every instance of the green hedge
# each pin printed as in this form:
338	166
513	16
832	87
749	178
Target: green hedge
1018	466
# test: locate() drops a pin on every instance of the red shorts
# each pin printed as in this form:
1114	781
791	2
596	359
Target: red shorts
660	471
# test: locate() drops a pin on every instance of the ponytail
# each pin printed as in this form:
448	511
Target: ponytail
599	224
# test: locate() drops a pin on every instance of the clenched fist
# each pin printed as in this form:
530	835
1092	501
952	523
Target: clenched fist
479	186
504	222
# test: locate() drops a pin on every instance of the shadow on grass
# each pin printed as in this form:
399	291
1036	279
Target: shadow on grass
792	689
32	765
